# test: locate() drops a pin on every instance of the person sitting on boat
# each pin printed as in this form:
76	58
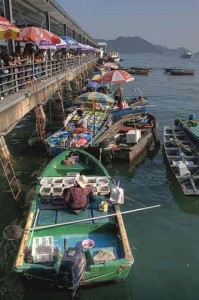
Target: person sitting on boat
77	197
81	124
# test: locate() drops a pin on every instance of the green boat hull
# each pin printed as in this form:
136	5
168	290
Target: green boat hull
52	221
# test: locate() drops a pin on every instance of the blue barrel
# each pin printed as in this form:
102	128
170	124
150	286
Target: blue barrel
192	117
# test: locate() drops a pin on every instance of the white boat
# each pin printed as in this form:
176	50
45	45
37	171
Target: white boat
186	54
114	56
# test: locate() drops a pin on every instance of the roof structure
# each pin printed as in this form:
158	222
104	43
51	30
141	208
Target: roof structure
28	12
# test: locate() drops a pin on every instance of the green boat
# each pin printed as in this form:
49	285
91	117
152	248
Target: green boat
190	126
72	250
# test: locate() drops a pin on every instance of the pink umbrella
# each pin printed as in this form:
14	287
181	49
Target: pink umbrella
110	65
116	77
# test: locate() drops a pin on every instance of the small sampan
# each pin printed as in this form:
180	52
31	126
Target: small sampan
103	206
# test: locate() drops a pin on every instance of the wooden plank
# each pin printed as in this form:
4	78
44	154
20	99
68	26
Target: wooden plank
125	242
20	255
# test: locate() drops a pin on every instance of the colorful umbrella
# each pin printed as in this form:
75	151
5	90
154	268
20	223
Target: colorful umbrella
70	42
49	45
116	77
96	77
7	29
95	97
36	34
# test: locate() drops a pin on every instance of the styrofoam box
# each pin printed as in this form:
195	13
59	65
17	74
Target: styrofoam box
68	182
42	249
95	191
46	181
92	180
45	190
103	190
102	181
57	191
58	181
133	136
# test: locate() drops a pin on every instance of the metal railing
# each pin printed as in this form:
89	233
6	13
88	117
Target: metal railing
15	78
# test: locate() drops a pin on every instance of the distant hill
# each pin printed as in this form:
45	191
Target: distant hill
136	45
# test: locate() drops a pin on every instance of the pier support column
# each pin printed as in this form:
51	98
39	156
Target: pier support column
40	122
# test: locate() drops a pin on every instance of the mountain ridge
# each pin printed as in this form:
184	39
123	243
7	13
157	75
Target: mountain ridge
137	44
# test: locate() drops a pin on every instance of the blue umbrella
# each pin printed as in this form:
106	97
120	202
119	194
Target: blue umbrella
70	41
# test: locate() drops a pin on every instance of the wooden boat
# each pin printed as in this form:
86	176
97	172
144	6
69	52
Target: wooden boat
190	126
139	71
182	158
181	72
134	108
128	137
71	250
64	138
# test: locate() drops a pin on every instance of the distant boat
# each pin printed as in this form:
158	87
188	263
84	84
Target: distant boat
186	54
173	68
181	72
114	56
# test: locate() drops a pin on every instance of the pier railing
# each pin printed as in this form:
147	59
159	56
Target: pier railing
15	78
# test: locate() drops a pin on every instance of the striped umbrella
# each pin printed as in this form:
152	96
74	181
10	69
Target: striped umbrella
36	34
7	29
95	97
116	77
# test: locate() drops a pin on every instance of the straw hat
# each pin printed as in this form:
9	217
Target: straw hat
82	180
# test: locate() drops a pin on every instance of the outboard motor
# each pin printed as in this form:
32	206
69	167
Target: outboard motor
72	267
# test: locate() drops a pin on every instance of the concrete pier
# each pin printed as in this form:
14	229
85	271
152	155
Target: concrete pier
14	107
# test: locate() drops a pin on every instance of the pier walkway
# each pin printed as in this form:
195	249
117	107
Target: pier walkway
23	87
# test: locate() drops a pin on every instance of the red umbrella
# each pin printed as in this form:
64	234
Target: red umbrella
36	34
116	77
7	29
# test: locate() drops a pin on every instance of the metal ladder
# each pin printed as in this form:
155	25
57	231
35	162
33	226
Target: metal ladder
8	169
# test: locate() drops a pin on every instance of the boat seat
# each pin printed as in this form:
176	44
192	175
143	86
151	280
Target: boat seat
46	217
97	213
68	216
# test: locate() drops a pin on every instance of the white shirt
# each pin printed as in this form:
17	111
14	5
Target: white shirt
83	122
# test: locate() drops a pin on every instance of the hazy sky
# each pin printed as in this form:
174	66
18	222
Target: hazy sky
171	23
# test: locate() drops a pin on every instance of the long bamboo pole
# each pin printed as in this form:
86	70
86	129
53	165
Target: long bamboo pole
95	218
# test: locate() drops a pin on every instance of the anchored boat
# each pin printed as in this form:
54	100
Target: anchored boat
127	138
182	158
72	250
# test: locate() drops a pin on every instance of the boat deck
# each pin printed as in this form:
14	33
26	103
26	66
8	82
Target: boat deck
56	212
